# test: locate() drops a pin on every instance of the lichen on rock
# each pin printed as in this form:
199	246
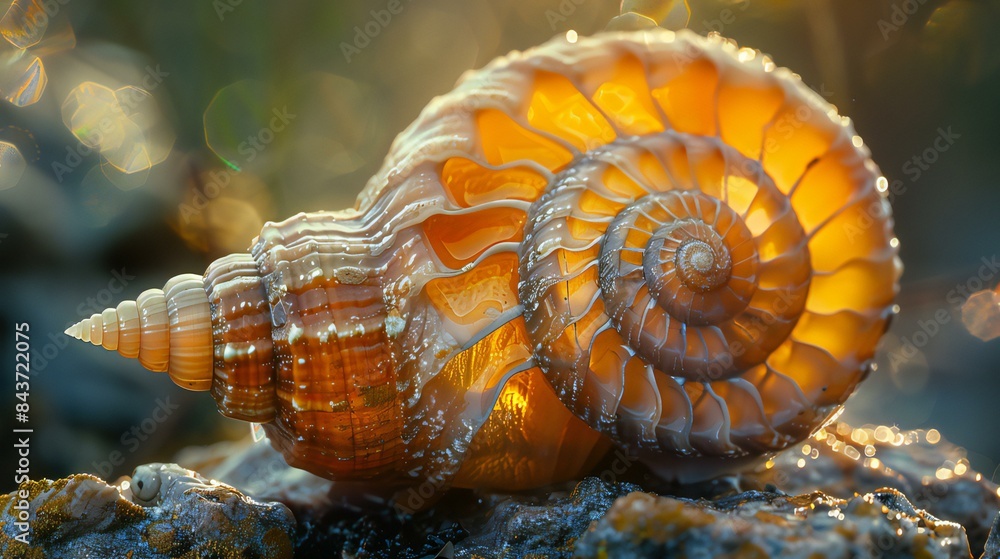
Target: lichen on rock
188	516
933	473
871	491
758	524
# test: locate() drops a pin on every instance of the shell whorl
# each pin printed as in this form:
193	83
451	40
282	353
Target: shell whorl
650	237
707	261
168	330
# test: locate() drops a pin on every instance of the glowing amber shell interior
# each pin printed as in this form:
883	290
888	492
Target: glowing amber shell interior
649	239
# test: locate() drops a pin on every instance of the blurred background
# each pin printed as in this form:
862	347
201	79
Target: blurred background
143	140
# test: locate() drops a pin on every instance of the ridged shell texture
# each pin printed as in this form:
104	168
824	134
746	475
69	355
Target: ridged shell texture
650	238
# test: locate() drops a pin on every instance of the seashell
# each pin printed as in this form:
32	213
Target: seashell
650	238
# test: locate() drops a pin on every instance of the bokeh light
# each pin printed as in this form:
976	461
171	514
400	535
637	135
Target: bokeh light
958	35
124	125
122	179
631	21
23	78
12	165
221	211
671	14
981	314
24	24
29	33
235	121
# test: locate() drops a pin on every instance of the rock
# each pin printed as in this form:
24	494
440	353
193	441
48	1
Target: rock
164	511
828	471
545	527
375	534
846	492
756	524
328	523
546	523
842	461
992	547
261	472
844	468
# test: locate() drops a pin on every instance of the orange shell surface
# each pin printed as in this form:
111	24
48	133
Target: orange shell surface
497	205
648	239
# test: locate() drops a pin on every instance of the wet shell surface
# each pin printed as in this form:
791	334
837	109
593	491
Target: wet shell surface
647	239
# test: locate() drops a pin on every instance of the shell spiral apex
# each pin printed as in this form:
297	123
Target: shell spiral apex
648	239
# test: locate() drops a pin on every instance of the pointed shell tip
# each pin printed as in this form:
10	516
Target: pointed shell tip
73	331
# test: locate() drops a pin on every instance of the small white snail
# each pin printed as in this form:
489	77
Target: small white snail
145	486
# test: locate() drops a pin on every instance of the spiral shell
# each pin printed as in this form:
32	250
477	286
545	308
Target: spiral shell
649	238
